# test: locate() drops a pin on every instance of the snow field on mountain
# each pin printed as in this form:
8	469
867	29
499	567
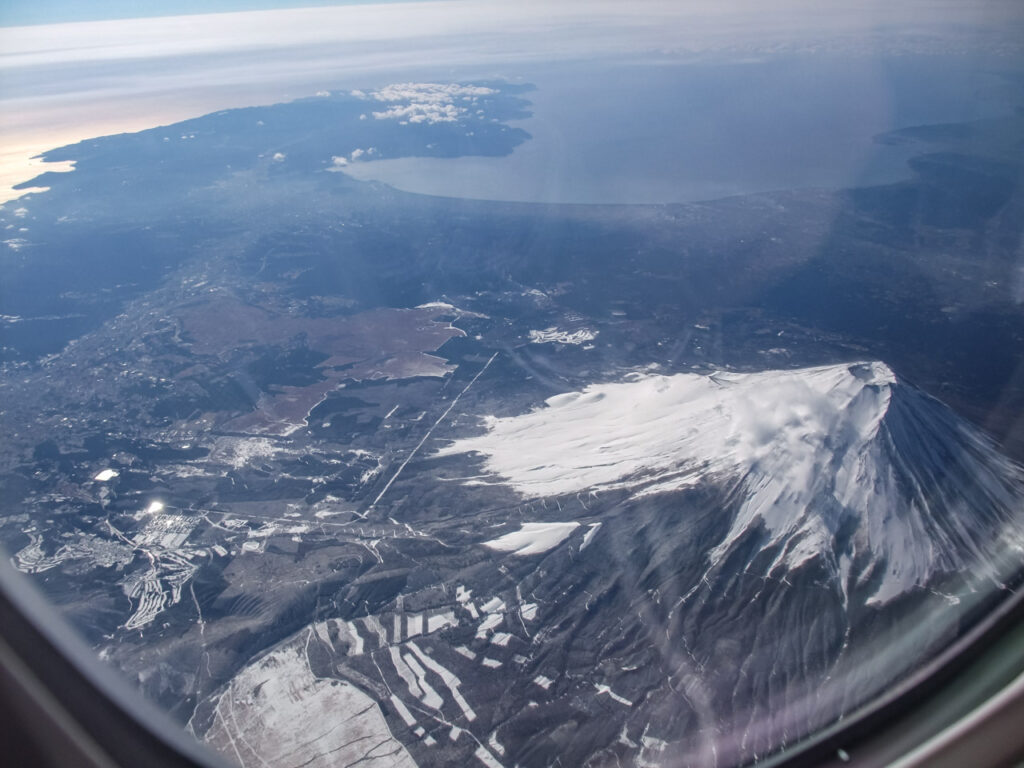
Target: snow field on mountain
801	450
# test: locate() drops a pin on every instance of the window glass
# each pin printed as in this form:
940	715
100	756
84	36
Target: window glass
457	383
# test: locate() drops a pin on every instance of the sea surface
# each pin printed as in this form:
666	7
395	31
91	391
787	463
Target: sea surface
653	133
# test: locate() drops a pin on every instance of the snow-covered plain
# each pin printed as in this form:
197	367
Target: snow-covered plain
801	449
277	712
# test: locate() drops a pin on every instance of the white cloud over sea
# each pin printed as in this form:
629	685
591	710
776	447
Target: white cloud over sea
428	102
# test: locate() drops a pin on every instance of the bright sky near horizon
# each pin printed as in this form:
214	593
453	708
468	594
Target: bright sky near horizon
30	12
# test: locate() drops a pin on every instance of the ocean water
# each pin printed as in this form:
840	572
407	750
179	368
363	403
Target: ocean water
656	133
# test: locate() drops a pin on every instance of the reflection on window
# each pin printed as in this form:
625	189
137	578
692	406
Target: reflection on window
516	387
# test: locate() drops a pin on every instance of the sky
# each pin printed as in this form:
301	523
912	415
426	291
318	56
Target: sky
65	82
24	12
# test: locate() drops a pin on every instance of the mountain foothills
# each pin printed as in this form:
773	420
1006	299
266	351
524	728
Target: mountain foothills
339	474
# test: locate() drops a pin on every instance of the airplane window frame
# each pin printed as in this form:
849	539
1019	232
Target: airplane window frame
75	711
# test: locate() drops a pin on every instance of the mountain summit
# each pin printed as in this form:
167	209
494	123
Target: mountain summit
842	462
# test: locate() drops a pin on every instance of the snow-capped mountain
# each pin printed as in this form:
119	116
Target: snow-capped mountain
842	463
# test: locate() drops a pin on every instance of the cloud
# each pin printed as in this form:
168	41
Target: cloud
456	31
278	157
430	93
412	103
422	113
338	163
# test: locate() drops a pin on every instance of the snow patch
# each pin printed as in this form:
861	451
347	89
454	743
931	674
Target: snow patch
494	605
543	682
588	537
533	538
493	620
554	335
